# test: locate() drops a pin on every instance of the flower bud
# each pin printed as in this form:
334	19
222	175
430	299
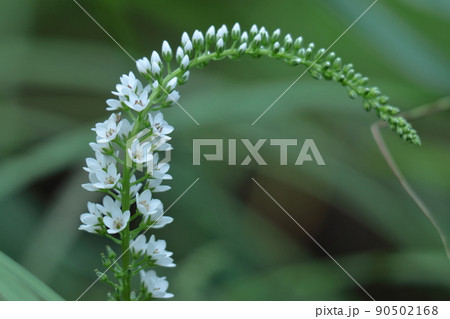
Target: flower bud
223	32
156	70
179	55
256	41
171	85
352	93
302	53
295	61
253	30
220	45
298	43
183	79
102	276
363	81
167	51
244	37
264	35
287	42
242	48
188	49
308	53
185	38
236	32
331	56
111	253
106	262
155	58
184	63
275	35
210	35
276	47
143	65
319	54
337	64
172	98
197	39
347	67
383	99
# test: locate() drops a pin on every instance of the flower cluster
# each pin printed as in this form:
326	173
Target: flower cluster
199	49
129	168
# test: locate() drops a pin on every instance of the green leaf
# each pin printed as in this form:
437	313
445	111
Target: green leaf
16	283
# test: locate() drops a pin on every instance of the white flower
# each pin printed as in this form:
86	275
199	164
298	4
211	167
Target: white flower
298	43
140	152
244	37
128	83
154	85
287	40
107	179
236	31
101	161
158	220
276	34
253	30
145	204
108	130
156	286
197	38
125	128
91	221
114	104
184	38
156	187
222	32
173	97
143	65
188	48
167	51
116	221
157	250
184	62
172	83
99	146
159	125
138	102
184	77
101	179
257	39
220	44
242	48
179	55
155	59
156	70
160	169
152	210
210	34
134	188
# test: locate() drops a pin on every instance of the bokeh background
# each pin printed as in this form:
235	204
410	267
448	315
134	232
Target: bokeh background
231	242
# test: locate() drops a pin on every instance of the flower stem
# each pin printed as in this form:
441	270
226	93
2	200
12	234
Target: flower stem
126	236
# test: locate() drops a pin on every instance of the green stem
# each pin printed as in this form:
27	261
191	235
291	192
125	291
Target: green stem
126	256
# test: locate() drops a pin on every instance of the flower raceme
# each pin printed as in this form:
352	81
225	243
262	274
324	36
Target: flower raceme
128	168
123	185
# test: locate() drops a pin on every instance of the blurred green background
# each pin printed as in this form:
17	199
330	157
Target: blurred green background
230	241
